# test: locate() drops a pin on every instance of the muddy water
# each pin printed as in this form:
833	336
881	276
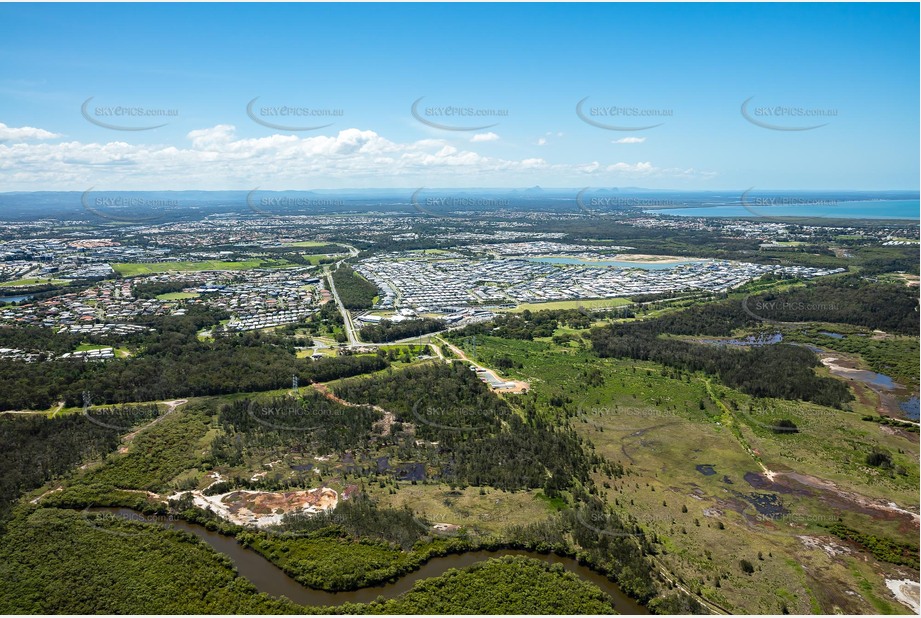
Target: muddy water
273	581
894	398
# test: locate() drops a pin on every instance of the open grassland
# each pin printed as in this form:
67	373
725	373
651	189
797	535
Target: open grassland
705	474
489	511
153	268
661	425
594	303
307	244
23	283
178	296
314	258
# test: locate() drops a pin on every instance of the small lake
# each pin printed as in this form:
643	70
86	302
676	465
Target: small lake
271	580
833	335
751	340
14	299
411	472
871	377
910	408
894	397
612	263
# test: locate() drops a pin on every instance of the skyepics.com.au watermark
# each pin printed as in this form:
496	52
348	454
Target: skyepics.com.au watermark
611	525
787	205
126	117
280	205
441	206
630	419
108	521
785	524
293	117
457	117
632	202
809	420
619	117
787	117
761	308
599	410
591	205
442	523
449	418
793	518
124	207
296	415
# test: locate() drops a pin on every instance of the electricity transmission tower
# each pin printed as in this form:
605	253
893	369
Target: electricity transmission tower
473	339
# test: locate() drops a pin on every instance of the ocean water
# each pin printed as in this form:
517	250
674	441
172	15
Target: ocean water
866	209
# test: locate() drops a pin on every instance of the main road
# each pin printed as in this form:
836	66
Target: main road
350	331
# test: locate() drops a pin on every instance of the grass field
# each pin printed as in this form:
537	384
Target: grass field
660	425
86	347
428	251
308	243
134	270
314	258
490	512
178	296
593	303
20	283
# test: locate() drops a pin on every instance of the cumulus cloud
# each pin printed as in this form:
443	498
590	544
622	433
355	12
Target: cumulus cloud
644	167
484	137
630	140
24	133
542	141
217	157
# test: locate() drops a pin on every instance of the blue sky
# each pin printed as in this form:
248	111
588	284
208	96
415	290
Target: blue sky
687	68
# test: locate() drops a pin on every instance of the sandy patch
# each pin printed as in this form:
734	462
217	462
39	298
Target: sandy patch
830	547
265	508
50	491
907	592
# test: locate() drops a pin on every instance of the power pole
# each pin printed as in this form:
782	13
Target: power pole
474	346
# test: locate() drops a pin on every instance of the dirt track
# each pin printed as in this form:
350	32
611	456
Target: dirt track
170	408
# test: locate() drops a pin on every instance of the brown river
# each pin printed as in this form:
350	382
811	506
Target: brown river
271	580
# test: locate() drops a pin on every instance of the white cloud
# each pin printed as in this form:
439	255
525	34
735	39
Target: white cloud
218	158
636	168
484	137
541	141
24	133
629	140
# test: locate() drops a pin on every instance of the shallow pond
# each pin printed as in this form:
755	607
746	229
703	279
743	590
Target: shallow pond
705	469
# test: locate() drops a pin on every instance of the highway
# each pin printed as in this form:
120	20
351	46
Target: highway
350	331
